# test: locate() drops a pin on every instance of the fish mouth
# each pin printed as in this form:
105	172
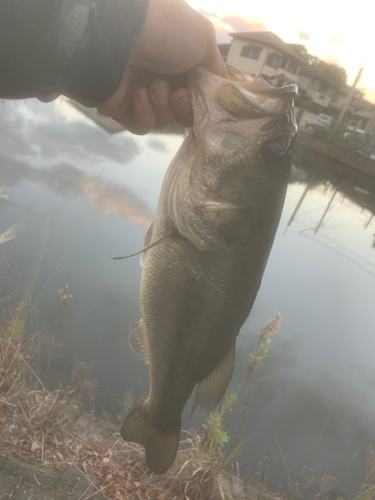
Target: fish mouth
241	95
243	81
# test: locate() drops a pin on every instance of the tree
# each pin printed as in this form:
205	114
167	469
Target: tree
337	72
299	47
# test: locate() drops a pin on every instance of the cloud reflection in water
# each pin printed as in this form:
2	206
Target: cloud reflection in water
44	132
70	182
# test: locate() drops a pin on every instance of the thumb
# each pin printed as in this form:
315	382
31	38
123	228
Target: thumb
213	60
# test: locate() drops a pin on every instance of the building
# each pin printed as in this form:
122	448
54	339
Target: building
264	54
361	119
321	88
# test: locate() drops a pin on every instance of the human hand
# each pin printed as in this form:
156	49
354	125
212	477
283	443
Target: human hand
174	39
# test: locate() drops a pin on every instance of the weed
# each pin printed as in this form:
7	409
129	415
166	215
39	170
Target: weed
106	416
62	299
124	406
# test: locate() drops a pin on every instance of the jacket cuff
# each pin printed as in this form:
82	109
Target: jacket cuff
96	68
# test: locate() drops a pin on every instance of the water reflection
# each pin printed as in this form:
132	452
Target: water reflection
70	182
44	133
315	393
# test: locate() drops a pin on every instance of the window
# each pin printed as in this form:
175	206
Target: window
293	67
284	62
273	60
323	87
250	51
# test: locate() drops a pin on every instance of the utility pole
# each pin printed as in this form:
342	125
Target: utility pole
346	104
371	126
325	211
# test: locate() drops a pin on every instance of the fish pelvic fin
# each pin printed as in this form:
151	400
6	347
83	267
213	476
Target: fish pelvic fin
211	389
138	341
160	445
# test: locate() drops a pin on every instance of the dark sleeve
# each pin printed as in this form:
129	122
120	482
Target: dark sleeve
79	48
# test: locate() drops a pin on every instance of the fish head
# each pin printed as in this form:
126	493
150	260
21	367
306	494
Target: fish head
244	116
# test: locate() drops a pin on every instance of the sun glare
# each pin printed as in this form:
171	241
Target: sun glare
333	33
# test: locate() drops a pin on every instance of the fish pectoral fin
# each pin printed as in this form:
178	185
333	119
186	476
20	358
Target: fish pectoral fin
211	389
138	342
146	243
145	248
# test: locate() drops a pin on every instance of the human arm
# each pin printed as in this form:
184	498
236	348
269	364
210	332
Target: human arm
79	48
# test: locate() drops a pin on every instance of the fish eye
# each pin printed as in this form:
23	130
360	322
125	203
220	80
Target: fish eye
274	154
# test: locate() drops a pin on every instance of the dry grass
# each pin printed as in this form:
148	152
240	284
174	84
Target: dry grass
11	233
43	427
47	428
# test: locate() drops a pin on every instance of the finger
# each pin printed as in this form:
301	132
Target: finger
181	105
142	118
119	100
159	92
216	64
213	60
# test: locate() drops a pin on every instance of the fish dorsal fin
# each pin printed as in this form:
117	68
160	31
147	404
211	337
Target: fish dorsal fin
211	389
145	248
138	341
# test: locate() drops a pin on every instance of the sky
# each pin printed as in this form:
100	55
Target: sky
339	33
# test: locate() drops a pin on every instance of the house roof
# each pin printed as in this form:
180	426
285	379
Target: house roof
284	78
269	38
363	114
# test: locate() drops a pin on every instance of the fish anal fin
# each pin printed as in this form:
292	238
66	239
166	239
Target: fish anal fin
138	341
161	444
211	389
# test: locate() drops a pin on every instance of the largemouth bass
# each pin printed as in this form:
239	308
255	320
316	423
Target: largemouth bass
206	250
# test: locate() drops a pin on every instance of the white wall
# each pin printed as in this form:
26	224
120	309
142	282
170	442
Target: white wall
251	66
318	97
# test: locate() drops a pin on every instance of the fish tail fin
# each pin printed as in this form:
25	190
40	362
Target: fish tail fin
161	445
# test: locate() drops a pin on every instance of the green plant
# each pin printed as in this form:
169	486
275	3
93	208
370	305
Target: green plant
124	406
62	299
106	416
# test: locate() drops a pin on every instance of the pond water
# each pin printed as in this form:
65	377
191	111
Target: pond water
93	196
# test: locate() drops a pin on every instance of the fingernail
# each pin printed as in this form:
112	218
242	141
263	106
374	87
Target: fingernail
143	99
160	93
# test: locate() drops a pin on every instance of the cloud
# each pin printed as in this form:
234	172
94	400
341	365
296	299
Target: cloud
207	13
158	146
335	38
70	182
240	24
232	23
303	35
80	141
331	60
48	135
13	137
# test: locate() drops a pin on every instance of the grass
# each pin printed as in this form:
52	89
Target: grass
11	233
47	427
